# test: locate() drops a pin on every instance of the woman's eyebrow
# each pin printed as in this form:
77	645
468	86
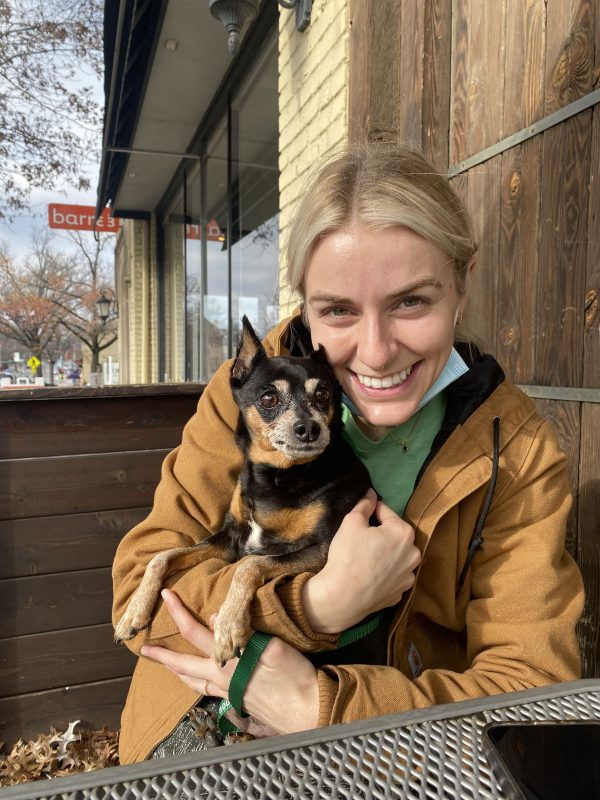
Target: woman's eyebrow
323	297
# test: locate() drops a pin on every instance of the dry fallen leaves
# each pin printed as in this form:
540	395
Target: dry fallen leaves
59	753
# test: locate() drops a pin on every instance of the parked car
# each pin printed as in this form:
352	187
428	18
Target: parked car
7	376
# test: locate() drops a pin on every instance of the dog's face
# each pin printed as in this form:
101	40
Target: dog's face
288	404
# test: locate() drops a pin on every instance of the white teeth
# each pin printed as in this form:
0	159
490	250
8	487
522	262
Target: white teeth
385	383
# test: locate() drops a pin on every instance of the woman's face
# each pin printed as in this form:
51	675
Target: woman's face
383	303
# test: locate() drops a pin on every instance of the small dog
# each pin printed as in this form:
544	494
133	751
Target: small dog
298	481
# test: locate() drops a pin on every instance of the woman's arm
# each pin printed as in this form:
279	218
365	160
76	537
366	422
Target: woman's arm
197	482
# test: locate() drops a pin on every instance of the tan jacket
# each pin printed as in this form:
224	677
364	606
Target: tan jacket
512	625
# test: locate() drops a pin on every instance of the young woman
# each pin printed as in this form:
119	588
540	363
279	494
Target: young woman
469	553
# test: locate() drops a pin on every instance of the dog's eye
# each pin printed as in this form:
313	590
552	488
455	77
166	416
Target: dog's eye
268	400
322	396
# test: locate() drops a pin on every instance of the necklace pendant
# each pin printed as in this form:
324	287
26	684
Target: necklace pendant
404	447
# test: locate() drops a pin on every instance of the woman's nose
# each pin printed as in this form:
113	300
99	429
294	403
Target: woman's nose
375	345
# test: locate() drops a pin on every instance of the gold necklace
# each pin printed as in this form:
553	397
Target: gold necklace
404	442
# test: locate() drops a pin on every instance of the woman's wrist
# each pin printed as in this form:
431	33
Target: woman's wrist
319	606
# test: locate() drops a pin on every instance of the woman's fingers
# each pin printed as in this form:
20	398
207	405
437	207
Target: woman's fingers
191	630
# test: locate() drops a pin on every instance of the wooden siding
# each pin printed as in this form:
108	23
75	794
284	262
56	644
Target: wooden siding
465	75
78	469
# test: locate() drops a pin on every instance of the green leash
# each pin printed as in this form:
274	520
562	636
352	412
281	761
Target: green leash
249	660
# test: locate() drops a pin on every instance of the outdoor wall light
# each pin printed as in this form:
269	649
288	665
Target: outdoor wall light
104	303
235	13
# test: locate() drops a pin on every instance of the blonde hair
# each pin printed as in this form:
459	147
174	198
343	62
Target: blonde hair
380	185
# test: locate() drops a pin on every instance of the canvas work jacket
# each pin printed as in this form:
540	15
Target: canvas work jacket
509	626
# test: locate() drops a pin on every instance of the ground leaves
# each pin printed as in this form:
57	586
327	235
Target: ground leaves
59	753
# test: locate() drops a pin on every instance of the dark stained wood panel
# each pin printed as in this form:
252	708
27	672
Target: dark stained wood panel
563	253
94	425
41	545
75	484
95	704
62	658
518	261
591	336
54	602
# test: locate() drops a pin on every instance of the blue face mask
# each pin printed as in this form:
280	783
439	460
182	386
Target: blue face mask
455	367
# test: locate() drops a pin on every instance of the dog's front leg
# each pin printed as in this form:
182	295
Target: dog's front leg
232	628
138	614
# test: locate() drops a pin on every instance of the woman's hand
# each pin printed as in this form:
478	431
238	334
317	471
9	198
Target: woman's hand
368	568
282	692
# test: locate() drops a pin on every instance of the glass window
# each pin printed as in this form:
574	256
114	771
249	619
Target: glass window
255	198
174	291
216	285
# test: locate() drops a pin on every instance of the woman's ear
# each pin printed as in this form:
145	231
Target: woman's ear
470	266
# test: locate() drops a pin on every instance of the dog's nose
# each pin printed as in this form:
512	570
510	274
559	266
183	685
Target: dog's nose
307	430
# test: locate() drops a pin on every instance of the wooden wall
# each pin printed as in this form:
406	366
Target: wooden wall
78	468
457	77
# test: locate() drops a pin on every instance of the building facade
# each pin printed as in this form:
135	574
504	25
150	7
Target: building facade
201	239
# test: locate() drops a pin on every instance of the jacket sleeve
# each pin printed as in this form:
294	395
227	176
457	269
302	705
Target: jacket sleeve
190	503
526	596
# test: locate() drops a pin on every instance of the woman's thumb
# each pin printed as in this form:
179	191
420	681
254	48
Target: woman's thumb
366	505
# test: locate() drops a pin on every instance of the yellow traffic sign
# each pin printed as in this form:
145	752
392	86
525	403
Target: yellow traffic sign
33	363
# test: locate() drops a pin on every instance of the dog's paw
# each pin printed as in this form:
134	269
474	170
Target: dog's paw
134	620
231	636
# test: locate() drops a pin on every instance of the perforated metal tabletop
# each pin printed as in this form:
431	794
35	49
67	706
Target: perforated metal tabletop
434	753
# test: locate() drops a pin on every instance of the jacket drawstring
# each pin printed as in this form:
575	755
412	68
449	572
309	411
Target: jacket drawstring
477	539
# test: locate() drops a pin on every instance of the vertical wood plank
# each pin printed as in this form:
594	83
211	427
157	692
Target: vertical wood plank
569	52
478	45
591	338
563	227
484	206
459	80
518	253
410	100
436	82
374	71
525	61
588	539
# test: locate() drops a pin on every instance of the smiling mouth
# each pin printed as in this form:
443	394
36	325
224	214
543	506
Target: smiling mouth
395	379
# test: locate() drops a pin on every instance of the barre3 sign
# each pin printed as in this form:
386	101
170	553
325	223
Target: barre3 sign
81	218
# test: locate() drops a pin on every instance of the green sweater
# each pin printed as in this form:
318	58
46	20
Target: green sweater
392	468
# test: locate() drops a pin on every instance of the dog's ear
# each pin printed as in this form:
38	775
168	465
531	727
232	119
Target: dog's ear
249	353
319	356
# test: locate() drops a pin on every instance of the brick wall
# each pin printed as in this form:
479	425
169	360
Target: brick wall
313	104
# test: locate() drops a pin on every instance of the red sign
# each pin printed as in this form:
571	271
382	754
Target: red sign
81	218
213	232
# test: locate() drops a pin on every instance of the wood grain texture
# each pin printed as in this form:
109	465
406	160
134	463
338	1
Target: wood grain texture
96	704
43	661
55	602
525	52
563	252
374	70
42	545
37	487
92	425
588	539
437	54
569	52
518	260
591	337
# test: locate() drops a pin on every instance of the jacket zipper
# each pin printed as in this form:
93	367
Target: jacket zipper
476	540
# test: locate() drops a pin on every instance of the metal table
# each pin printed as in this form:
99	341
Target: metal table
432	753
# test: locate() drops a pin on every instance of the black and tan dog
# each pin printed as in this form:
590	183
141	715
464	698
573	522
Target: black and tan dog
299	479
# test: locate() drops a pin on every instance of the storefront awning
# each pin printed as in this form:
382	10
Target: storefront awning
164	62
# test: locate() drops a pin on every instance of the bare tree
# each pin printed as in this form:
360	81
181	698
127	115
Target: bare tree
90	275
49	120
